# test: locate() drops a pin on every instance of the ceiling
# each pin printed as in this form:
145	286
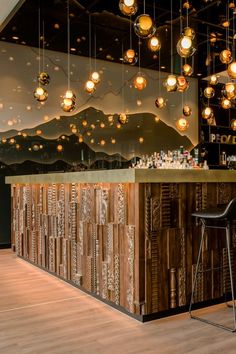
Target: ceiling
110	30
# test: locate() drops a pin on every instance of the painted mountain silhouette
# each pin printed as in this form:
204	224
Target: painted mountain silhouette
156	136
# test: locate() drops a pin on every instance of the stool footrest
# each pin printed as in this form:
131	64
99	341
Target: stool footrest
213	323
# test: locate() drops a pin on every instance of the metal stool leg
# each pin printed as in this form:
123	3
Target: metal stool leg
231	282
197	266
231	274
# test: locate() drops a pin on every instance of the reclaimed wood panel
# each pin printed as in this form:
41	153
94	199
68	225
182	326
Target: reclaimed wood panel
133	244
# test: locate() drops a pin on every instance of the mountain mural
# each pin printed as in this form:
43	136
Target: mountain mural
90	139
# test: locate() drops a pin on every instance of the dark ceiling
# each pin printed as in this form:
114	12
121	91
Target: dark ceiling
111	29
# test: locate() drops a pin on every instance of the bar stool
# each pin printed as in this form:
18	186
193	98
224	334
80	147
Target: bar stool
219	219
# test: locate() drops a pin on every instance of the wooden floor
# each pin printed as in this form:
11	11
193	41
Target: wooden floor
42	314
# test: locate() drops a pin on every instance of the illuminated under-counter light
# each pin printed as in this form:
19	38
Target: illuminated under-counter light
128	7
144	26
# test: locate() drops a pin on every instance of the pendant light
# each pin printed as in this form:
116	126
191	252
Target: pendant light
233	124
187	69
209	92
128	7
182	124
140	81
229	90
130	57
95	76
160	101
90	86
68	102
171	81
225	103
207	113
154	44
187	111
213	80
144	25
40	94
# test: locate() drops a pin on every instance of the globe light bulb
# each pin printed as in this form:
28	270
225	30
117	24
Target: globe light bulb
128	7
182	124
207	113
130	57
160	102
232	70
226	56
209	92
140	82
154	44
187	70
213	80
171	83
144	26
90	86
95	77
40	94
186	42
225	103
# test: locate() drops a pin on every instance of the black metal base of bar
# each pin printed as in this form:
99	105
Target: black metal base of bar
141	318
5	245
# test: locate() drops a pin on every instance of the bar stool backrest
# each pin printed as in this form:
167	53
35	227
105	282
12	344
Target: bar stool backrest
230	210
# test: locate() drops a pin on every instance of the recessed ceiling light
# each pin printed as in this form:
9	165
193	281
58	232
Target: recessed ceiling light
73	49
199	74
163	67
15	37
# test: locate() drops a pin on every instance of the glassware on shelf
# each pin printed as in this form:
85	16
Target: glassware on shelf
172	159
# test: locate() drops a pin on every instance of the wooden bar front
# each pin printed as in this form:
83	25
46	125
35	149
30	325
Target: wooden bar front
133	245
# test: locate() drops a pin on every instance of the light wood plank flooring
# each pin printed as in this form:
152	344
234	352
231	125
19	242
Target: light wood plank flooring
40	314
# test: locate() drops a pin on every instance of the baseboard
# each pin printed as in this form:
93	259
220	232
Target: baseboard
5	245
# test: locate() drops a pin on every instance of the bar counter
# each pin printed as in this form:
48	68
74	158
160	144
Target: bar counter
125	236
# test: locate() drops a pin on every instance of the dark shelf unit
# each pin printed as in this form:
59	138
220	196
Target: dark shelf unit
217	137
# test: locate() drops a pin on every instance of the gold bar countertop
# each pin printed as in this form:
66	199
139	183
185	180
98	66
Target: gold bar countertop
128	176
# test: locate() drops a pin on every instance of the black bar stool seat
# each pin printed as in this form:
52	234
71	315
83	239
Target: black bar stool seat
219	219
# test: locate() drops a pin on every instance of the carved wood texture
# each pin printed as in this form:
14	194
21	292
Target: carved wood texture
135	245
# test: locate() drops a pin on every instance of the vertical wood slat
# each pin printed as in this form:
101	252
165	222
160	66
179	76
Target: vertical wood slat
133	244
